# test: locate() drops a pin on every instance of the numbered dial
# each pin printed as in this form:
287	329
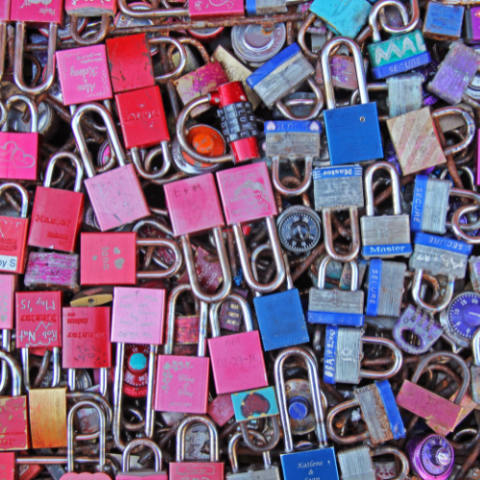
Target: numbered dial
462	318
436	455
136	370
299	229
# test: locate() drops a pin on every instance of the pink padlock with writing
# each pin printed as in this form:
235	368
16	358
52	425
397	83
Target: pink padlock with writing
37	12
211	8
8	286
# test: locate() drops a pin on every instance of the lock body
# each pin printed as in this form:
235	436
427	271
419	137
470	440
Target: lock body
135	371
342	68
272	473
13	423
19	155
209	8
356	463
7	459
5	8
147	474
220	410
254	404
443	22
258	7
472	25
475	374
8	286
195	470
322	463
90	8
405	93
37	13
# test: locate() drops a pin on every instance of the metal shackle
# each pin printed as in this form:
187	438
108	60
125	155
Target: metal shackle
322	274
417	293
47	182
32	107
214	452
142	442
244	307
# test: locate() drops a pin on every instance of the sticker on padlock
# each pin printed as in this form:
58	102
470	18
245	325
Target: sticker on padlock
252	404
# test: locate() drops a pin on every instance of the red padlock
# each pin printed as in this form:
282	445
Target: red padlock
135	374
7	466
57	214
13	232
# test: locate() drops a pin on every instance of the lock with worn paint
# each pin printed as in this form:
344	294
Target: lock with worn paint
443	22
388	235
157	474
441	415
353	133
420	324
336	189
57	214
230	314
254	404
237	360
19	157
385	288
220	409
379	412
182	470
474	272
336	307
405	93
7	463
455	73
475	368
472	25
322	460
13	241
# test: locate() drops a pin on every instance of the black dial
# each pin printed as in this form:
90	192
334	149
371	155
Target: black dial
299	229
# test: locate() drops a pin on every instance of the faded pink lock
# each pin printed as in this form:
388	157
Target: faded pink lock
194	207
247	196
117	197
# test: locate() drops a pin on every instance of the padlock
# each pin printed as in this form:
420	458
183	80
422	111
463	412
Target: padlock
342	17
336	189
186	200
20	151
181	470
405	93
422	325
379	412
83	75
280	315
474	272
455	73
237	360
441	415
14	234
475	368
344	353
135	375
385	288
57	214
267	472
230	314
220	409
310	462
353	133
283	74
111	258
336	307
8	287
181	381
431	456
389	235
247	196
157	474
356	463
472	25
443	22
255	404
7	465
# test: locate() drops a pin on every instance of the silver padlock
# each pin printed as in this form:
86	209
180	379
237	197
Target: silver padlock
339	188
405	93
157	474
389	235
336	307
475	368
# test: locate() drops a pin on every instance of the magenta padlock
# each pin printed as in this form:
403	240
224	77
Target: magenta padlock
194	207
247	196
117	197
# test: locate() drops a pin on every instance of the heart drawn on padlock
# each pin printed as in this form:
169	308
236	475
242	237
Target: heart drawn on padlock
85	476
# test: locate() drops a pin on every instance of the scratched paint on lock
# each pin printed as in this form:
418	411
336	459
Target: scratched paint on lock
7	462
13	423
253	404
19	155
215	8
8	285
37	11
89	8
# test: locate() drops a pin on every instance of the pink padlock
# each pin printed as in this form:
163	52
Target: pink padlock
247	196
8	286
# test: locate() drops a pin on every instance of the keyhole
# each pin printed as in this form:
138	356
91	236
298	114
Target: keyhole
362	119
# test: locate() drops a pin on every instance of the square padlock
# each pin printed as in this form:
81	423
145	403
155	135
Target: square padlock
19	155
108	258
193	205
83	75
86	337
209	9
246	193
13	423
8	286
130	62
7	461
37	12
142	117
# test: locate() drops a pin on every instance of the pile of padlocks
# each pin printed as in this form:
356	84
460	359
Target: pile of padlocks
269	257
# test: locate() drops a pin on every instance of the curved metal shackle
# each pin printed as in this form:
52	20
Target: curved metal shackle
369	195
32	107
457	226
71	434
15	370
142	442
232	450
322	273
142	171
90	38
304	184
213	434
404	463
312	371
244	307
182	135
374	14
23	193
470	124
417	297
345	440
56	373
18	60
152	13
319	102
328	48
80	139
476	347
5	369
390	372
76	163
181	51
161	242
410	24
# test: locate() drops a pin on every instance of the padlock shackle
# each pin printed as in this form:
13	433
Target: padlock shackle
244	307
417	298
395	185
301	37
410	24
3	47
152	222
194	43
23	194
77	164
271	444
233	445
182	136
322	273
172	269
142	442
164	149
476	347
469	122
372	87
80	139
404	463
89	40
327	216
32	107
152	13
345	440
214	451
18	61
373	18
167	161
15	370
292	192
56	370
181	50
457	226
312	371
328	48
72	380
397	355
318	104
